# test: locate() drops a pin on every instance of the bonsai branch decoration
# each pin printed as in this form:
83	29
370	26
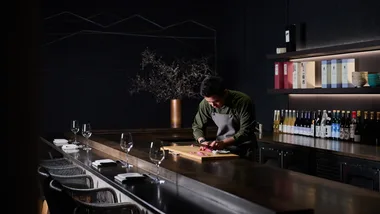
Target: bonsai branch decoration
168	81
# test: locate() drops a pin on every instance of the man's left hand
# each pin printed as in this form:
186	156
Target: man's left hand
217	144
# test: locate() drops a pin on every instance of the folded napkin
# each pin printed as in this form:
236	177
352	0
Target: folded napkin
70	146
104	162
60	142
70	151
128	176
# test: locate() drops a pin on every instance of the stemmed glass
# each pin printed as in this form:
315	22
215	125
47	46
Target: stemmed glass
86	132
75	130
126	144
157	155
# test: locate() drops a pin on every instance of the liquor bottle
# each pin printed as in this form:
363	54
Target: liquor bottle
342	124
290	37
365	128
296	123
285	125
318	124
323	124
275	121
333	125
377	128
302	130
337	126
313	124
290	122
353	125
357	135
328	125
280	125
347	126
307	123
372	129
293	120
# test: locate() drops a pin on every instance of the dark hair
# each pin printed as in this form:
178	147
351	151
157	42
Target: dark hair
212	86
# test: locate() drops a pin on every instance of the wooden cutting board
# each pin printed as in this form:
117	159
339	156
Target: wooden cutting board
192	153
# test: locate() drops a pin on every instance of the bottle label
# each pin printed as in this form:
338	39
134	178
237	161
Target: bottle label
337	133
333	130
287	36
295	129
312	130
285	128
352	130
328	131
341	133
317	131
346	133
322	130
357	138
280	128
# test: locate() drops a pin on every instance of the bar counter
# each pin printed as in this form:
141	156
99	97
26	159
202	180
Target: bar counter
345	148
248	183
155	198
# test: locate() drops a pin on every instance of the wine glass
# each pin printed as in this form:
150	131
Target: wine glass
75	130
86	132
157	155
126	144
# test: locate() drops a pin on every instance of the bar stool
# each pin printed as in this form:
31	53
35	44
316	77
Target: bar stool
56	163
95	201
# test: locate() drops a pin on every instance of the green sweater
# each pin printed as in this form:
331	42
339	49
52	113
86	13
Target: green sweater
236	102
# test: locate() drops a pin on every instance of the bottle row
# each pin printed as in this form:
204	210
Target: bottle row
331	124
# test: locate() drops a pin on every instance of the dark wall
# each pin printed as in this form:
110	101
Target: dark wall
87	78
87	74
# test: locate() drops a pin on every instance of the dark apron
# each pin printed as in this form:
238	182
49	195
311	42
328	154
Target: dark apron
228	125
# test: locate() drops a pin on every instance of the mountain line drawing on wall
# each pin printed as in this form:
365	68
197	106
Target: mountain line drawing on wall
66	24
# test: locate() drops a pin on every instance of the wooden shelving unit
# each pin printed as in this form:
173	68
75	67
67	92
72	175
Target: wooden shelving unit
365	90
331	50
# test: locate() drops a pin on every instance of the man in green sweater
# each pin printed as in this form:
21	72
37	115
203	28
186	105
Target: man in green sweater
233	114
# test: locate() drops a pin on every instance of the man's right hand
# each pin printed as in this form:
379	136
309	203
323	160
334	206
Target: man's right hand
205	143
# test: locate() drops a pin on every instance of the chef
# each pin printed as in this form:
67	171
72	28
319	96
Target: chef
233	114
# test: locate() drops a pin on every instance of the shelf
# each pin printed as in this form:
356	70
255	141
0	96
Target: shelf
331	50
365	90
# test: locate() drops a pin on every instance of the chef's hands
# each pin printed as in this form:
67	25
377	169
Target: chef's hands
217	145
212	145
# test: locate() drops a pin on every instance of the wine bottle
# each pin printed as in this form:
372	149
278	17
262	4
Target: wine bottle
347	126
290	37
328	125
308	124
293	120
372	129
365	128
296	123
313	124
357	135
353	125
342	124
378	128
302	124
280	126
318	125
323	124
285	125
333	125
337	126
